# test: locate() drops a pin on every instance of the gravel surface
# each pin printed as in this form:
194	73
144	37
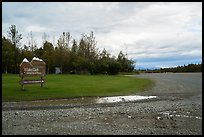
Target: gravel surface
177	110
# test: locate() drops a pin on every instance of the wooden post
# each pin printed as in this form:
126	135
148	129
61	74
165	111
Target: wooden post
22	84
41	82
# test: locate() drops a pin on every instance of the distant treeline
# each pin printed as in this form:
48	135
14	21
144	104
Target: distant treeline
69	55
185	68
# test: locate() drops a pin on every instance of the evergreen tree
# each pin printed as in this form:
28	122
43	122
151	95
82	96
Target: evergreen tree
15	40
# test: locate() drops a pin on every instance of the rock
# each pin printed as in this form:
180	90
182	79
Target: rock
159	118
170	116
90	117
129	116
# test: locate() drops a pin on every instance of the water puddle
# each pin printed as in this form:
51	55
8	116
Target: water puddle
122	99
78	101
172	114
88	100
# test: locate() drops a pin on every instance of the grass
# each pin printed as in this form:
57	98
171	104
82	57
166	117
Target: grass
69	86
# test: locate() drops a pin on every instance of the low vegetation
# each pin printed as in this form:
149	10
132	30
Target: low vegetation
69	86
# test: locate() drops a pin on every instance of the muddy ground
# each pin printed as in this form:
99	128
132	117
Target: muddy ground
177	110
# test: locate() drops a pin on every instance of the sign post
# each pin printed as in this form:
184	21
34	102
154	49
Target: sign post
34	68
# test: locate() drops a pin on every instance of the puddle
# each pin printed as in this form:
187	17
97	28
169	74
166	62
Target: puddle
122	99
87	100
168	113
80	100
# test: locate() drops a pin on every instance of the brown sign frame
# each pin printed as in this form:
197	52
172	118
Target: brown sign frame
36	67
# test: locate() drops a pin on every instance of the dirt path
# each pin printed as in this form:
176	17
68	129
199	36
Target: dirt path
174	86
177	110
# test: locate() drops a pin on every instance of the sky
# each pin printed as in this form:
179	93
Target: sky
153	34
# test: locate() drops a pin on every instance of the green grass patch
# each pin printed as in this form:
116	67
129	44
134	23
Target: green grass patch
69	86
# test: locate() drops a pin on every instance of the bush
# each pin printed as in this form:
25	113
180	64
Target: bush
113	67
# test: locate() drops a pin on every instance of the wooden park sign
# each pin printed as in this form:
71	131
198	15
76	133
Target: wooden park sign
34	68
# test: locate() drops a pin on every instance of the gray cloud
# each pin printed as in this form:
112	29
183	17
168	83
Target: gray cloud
141	29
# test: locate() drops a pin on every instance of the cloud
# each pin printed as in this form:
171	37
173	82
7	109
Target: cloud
37	29
144	30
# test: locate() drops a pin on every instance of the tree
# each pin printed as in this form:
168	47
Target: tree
15	40
32	44
103	62
48	50
7	55
113	66
87	50
126	65
26	53
73	57
63	52
45	37
67	38
74	48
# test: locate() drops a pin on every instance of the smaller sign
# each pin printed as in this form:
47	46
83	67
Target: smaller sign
57	70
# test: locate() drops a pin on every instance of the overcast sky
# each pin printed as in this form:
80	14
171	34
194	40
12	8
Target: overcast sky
158	34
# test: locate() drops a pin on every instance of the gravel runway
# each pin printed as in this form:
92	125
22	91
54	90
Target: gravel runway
177	110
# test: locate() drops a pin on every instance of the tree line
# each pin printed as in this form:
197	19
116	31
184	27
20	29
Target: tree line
69	55
185	68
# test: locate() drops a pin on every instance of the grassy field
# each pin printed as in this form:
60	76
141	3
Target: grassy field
69	86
